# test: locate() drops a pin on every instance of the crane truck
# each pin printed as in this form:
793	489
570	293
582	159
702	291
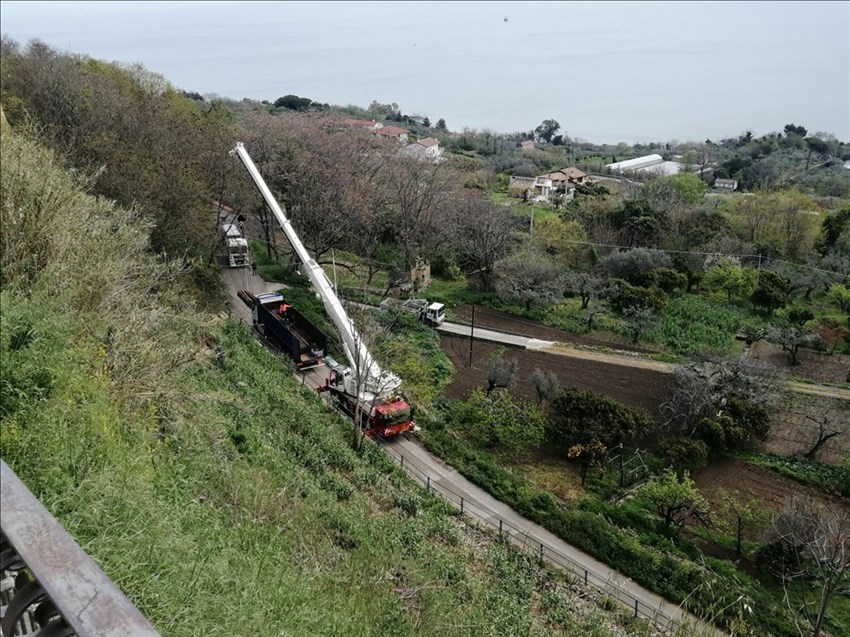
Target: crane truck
362	389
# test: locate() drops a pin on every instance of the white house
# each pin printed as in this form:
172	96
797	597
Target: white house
532	188
427	149
431	146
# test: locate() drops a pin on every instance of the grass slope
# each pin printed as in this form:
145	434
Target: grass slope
220	495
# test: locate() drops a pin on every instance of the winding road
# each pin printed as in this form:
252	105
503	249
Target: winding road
440	478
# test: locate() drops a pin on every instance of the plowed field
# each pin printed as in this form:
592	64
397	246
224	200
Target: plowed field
642	388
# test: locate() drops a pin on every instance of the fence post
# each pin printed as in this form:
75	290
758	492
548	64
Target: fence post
585	577
541	551
636	608
402	461
461	504
500	528
428	483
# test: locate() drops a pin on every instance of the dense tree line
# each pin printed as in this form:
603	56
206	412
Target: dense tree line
137	139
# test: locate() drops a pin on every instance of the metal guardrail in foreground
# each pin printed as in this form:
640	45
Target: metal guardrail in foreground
542	552
50	587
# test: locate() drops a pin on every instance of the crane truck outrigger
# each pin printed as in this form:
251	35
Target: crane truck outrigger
363	390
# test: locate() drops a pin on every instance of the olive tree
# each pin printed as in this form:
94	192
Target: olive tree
792	340
546	385
501	373
728	404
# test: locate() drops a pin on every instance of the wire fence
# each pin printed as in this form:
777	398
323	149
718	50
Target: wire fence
667	616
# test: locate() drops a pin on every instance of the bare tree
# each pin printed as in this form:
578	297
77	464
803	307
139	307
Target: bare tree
828	427
816	544
483	233
369	388
416	192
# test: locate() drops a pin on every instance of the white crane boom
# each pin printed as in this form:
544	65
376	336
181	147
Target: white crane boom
373	382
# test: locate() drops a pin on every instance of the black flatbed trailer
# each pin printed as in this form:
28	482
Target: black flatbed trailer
286	328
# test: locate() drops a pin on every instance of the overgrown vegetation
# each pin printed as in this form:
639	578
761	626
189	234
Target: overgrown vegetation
194	469
624	536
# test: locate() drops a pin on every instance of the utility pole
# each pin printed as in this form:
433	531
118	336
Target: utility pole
471	332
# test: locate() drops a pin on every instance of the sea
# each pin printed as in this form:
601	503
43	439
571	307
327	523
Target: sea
607	72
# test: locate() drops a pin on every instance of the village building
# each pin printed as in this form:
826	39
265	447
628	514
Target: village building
427	149
393	132
556	186
726	184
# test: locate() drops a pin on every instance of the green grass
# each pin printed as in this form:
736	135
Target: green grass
457	292
272	269
247	490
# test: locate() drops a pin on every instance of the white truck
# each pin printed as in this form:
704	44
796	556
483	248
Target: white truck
432	313
238	254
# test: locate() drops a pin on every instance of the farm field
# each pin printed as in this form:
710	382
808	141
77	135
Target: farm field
792	430
755	483
814	366
635	387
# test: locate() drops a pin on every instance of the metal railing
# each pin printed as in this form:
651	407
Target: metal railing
50	587
670	617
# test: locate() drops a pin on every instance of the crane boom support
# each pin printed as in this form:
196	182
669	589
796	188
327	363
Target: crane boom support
372	380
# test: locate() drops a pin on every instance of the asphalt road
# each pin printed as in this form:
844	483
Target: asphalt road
482	334
477	503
